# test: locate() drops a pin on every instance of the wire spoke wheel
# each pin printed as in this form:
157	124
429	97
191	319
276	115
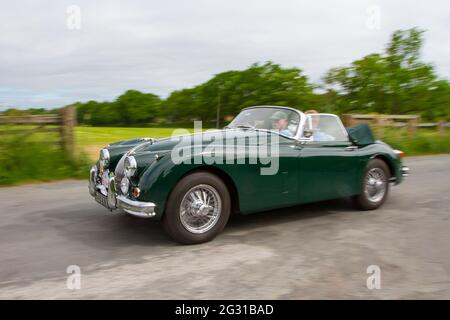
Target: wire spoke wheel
375	184
200	208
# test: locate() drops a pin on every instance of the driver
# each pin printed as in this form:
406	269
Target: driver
280	123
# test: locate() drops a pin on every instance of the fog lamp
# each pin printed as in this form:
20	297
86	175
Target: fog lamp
124	185
136	192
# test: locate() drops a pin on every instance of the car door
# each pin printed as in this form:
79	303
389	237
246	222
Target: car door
329	165
264	186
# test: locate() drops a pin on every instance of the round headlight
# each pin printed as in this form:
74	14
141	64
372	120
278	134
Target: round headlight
130	166
124	185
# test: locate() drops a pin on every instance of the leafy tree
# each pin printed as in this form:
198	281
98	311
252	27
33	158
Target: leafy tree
132	107
267	84
137	107
395	82
24	112
97	113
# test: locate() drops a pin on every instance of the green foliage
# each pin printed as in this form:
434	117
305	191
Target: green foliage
24	112
137	107
132	107
425	141
395	82
22	160
267	84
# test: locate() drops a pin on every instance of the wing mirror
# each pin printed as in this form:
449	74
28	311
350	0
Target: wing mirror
307	133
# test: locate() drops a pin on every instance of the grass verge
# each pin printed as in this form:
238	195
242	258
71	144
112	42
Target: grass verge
424	142
22	161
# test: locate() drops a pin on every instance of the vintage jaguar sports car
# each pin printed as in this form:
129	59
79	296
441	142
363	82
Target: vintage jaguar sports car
316	159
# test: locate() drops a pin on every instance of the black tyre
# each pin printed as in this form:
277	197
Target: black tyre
198	208
375	186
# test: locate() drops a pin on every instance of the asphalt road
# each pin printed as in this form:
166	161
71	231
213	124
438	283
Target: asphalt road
310	251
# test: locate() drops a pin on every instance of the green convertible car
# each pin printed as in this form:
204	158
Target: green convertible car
268	157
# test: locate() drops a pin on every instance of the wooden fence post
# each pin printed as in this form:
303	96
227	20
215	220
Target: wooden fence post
68	119
441	127
412	124
378	125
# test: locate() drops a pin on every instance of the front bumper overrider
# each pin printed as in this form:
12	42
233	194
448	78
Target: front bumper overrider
404	171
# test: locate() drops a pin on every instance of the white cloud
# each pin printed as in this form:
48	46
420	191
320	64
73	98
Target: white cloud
157	46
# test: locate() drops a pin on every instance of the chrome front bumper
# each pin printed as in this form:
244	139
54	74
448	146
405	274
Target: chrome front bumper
114	201
136	208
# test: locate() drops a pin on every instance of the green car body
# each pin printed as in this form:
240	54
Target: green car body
308	171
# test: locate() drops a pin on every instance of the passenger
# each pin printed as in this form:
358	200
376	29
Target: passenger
318	134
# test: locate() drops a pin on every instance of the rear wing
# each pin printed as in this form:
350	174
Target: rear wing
361	135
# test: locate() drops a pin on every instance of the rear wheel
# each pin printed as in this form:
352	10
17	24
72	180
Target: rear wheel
375	186
197	209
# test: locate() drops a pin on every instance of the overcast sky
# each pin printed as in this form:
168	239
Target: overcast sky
160	46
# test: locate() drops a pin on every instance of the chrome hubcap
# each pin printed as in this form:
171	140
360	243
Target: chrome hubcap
375	186
200	208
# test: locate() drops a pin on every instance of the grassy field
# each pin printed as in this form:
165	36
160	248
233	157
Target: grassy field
34	158
37	156
91	139
424	142
105	135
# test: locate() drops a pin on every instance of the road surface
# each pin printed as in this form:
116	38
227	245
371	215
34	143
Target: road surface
319	250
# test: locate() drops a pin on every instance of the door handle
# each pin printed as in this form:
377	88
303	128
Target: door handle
351	148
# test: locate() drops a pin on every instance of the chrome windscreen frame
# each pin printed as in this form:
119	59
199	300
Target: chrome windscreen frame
301	123
310	139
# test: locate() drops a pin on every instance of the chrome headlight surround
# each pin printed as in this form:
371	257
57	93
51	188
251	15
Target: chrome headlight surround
130	166
104	159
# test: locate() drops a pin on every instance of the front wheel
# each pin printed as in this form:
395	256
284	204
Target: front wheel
198	208
375	186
